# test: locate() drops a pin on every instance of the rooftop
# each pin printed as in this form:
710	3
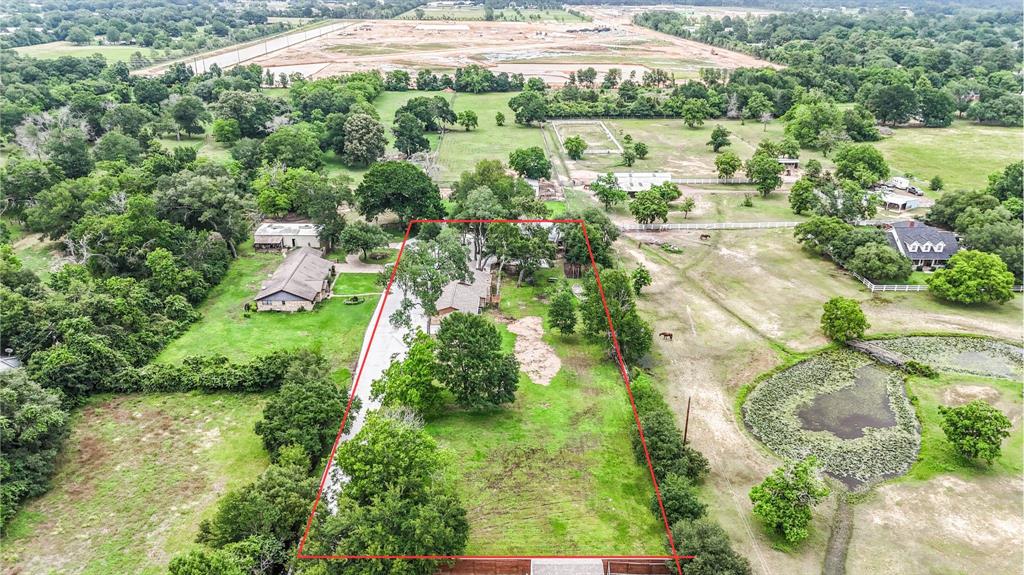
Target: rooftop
465	297
302	274
286	229
903	234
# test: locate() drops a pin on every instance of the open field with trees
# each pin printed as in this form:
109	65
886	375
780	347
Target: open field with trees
52	50
138	474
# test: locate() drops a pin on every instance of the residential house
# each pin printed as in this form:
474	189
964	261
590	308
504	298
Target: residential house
299	283
285	236
634	182
927	247
467	297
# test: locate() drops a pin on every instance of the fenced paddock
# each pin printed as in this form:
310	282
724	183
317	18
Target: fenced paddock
706	226
599	139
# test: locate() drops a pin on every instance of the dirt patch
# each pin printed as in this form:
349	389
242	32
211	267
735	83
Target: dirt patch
961	394
536	358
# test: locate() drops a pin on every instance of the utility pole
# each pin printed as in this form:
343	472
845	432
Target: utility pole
686	425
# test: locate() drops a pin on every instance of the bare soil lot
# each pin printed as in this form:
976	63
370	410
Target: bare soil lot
503	46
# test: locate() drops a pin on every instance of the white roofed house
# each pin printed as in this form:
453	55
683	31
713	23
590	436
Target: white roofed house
286	236
925	246
299	283
634	182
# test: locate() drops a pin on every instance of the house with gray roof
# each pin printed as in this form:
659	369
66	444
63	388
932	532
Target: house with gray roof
300	282
925	246
467	297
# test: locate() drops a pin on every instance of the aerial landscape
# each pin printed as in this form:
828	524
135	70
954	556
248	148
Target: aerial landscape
468	287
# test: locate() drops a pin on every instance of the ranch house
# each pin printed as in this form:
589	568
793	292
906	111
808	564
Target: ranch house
271	236
465	297
301	281
926	247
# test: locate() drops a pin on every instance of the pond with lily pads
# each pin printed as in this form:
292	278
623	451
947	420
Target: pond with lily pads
852	412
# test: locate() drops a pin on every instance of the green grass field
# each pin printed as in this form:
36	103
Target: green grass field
937	455
460	151
334	328
53	50
554	472
136	477
35	252
501	15
963	154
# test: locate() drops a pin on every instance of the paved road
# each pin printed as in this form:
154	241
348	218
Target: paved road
229	57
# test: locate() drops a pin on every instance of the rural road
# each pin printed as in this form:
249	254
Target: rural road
228	57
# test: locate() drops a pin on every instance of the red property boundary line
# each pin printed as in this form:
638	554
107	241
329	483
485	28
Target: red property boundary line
622	370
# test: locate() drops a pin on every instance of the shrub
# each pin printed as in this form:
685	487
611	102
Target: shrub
680	500
843	320
976	430
785	498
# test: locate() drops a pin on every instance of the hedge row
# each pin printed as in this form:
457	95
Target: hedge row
663	437
206	373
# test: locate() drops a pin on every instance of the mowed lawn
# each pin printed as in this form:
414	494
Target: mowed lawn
334	328
461	150
554	472
52	50
963	154
135	478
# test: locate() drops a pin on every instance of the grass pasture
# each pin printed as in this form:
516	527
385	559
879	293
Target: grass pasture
53	50
554	472
963	154
333	327
136	477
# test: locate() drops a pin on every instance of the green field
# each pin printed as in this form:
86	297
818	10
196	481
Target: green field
53	50
554	472
937	455
500	15
136	477
963	154
460	151
334	328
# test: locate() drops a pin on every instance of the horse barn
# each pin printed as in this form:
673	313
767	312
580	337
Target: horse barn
299	283
272	236
634	182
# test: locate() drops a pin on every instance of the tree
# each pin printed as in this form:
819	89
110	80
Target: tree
719	138
976	430
937	106
860	124
129	118
22	180
936	184
408	132
972	277
727	164
207	200
499	119
649	206
226	130
641	150
641	278
397	81
190	114
633	335
679	499
574	147
398	187
785	498
252	110
766	172
1005	238
843	320
306	411
880	263
607	191
79	35
365	141
760	108
695	111
362	236
411	381
530	162
424	269
893	103
33	426
294	146
710	547
471	364
467	119
529	107
628	156
803	197
150	91
562	313
862	163
205	562
115	146
687	205
68	149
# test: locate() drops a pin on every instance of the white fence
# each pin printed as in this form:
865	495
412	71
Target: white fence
697	181
873	287
706	226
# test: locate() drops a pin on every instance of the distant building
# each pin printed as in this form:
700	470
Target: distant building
925	246
899	183
633	182
464	297
303	280
285	235
899	202
9	362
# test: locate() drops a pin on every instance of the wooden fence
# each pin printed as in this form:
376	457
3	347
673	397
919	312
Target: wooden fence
627	567
487	567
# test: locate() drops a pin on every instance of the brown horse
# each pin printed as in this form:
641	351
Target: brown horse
665	335
705	237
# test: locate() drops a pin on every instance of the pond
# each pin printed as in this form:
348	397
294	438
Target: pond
847	412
